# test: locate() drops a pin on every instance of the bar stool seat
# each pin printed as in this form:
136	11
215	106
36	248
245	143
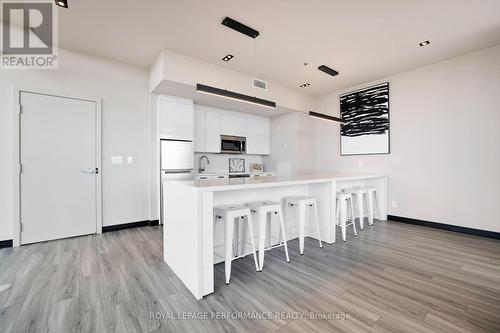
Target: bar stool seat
229	213
301	202
263	209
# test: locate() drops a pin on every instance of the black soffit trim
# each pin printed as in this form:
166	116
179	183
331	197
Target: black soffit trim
328	70
234	95
325	116
240	27
448	227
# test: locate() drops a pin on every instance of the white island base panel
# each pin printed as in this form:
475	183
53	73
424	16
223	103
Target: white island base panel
191	238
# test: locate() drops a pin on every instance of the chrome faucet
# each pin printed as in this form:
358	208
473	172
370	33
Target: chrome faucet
200	168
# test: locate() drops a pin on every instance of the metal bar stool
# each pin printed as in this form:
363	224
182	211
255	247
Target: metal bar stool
229	214
263	209
301	203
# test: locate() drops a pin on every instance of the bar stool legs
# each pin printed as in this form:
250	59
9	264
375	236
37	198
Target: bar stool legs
372	201
265	209
301	203
229	214
344	207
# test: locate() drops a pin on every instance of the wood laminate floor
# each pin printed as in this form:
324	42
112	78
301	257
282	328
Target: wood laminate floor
392	277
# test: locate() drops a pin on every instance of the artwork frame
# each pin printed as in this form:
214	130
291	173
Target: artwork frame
383	139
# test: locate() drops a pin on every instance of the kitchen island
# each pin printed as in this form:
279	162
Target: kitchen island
190	239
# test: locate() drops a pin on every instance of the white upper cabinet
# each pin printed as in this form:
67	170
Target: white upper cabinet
199	130
264	136
253	135
212	132
233	123
210	123
176	118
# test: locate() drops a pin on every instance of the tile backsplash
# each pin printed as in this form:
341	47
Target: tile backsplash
220	162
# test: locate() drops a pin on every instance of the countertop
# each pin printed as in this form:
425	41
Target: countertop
248	183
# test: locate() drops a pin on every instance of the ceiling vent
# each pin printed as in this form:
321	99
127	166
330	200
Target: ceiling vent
256	83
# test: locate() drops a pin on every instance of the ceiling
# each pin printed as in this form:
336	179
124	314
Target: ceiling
362	39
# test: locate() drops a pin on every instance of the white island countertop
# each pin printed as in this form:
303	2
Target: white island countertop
191	234
210	185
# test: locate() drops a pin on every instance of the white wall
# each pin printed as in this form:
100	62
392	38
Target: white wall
292	139
125	115
444	164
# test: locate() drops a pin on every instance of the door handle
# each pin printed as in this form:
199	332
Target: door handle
88	171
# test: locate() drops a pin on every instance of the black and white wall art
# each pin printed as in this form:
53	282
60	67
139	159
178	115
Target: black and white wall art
366	116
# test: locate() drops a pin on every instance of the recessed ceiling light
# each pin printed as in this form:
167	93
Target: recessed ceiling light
424	43
305	85
228	57
62	3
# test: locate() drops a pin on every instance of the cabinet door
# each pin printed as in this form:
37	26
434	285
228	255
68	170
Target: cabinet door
264	136
212	132
233	124
176	118
252	133
199	131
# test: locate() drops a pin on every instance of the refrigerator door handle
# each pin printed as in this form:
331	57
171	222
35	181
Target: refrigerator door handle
177	171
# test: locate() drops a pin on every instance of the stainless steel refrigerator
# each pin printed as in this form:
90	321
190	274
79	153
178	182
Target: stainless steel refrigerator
176	163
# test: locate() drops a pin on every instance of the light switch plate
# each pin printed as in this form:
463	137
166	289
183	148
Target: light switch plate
116	159
360	164
130	160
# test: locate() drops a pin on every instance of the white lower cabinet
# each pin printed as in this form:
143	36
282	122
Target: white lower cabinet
211	177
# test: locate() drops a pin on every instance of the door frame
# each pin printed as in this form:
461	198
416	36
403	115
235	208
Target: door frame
16	175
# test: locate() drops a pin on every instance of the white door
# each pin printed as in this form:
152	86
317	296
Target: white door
58	181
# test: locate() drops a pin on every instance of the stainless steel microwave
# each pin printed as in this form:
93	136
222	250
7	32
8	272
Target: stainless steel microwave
233	144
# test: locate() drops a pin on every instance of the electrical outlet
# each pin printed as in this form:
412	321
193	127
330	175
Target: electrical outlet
116	159
360	164
283	145
394	204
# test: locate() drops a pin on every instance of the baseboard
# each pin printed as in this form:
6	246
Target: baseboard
6	243
129	225
449	227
